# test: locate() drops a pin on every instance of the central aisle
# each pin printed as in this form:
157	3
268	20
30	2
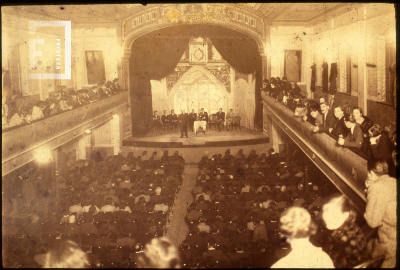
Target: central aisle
178	229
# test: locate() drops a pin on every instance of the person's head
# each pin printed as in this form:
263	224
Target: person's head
357	113
339	111
108	201
220	109
155	113
192	110
159	253
376	168
202	109
66	254
183	111
324	107
231	110
165	112
323	99
336	211
172	111
296	223
41	104
349	120
158	190
375	130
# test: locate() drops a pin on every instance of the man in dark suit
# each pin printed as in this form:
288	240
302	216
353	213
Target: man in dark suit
328	119
220	119
355	137
165	120
173	119
93	94
156	121
184	120
339	129
192	118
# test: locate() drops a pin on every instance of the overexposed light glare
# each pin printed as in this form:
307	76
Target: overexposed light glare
44	155
88	131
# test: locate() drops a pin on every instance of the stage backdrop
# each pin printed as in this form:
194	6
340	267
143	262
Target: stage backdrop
157	54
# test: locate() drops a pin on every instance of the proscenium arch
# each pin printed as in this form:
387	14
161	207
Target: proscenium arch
130	39
204	71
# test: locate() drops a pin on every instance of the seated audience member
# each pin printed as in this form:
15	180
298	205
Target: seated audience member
323	99
82	97
108	206
294	88
159	253
116	85
203	227
100	91
211	251
297	225
89	207
339	129
165	120
316	117
73	100
260	232
355	136
339	217
66	254
157	121
230	119
173	119
365	124
93	94
329	119
381	146
202	204
37	110
381	210
51	108
19	118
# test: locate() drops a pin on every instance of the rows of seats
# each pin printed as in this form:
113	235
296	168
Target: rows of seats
110	208
234	220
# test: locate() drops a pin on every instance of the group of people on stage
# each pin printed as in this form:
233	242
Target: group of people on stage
187	120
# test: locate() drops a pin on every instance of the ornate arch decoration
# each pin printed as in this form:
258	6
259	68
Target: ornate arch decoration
207	73
163	16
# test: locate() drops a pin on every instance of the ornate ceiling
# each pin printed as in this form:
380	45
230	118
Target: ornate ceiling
273	12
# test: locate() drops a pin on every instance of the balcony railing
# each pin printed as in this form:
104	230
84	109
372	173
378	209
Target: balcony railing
19	143
343	166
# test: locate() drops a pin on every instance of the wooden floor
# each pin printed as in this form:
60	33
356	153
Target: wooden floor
209	138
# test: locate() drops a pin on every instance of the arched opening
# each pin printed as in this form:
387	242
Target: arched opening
155	55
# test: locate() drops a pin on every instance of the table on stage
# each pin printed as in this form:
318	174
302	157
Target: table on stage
202	124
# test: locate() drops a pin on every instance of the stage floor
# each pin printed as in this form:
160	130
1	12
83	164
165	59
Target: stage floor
210	138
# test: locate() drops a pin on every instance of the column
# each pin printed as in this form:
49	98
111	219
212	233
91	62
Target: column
362	59
116	133
81	151
275	136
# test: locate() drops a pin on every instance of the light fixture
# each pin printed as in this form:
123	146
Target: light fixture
88	131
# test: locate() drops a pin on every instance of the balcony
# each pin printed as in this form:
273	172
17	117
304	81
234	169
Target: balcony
343	166
20	143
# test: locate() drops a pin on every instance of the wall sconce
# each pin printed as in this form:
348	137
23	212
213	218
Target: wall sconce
88	131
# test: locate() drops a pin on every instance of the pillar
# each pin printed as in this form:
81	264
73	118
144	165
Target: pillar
362	59
275	136
116	132
287	153
56	174
81	153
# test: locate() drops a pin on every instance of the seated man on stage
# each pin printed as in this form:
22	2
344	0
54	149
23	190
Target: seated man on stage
192	118
173	119
230	119
220	119
165	121
157	125
202	120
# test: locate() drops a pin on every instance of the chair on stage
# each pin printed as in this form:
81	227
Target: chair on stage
212	120
236	123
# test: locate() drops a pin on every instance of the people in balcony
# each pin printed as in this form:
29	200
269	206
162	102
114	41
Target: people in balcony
339	129
294	88
19	117
314	116
381	146
93	94
355	137
381	210
328	119
37	110
365	123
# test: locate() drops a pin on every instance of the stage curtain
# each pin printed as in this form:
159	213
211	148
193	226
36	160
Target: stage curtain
156	54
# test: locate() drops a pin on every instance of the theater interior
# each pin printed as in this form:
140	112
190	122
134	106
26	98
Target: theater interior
92	153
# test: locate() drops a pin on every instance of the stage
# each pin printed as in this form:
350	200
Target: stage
211	138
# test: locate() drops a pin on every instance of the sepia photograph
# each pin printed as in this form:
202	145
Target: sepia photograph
199	135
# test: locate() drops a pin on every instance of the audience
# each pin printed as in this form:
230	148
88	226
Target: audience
381	146
355	136
66	254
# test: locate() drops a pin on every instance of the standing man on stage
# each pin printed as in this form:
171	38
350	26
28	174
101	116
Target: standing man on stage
229	119
165	120
220	119
184	120
192	118
173	119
